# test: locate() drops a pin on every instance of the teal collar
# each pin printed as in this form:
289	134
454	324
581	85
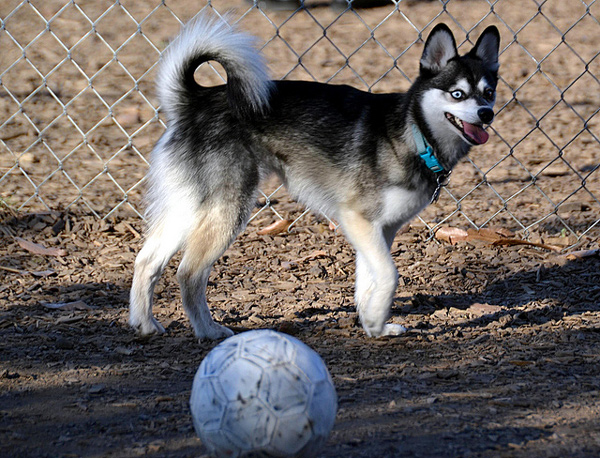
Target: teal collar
426	151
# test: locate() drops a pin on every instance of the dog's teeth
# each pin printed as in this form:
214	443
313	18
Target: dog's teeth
455	120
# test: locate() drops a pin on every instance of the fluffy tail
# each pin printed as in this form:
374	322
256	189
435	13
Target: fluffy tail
204	39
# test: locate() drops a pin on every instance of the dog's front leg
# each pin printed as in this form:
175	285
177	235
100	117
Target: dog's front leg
364	284
376	274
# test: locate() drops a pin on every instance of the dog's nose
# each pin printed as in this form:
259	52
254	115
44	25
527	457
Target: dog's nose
486	115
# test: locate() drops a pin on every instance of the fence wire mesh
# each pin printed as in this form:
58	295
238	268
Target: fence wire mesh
78	113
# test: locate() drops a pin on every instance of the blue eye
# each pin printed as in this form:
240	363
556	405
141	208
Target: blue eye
458	94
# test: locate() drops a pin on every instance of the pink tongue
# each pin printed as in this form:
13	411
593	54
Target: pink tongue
475	133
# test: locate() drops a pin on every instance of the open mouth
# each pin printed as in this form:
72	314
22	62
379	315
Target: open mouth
473	133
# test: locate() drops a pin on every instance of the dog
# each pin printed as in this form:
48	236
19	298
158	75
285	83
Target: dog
370	161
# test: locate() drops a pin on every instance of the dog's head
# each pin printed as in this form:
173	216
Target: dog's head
457	93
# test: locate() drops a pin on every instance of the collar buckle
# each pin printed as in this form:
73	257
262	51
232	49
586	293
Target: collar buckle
431	161
426	151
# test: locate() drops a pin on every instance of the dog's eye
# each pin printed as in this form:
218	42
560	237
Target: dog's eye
458	94
488	94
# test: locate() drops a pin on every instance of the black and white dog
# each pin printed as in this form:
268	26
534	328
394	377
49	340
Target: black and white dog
370	161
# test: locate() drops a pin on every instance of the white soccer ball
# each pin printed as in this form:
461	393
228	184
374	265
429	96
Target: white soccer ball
263	393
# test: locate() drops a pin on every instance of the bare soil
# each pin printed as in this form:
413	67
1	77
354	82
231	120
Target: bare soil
502	354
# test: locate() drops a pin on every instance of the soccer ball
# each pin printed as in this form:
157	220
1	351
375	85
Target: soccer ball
263	393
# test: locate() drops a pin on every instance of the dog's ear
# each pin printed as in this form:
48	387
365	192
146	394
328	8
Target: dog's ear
487	48
440	47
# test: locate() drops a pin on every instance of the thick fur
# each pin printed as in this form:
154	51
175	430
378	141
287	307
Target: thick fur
347	153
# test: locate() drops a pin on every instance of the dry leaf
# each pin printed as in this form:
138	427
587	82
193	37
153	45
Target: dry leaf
483	309
310	257
506	233
486	235
490	234
453	235
36	248
512	242
43	273
67	306
582	254
277	227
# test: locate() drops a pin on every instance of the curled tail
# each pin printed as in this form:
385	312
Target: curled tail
204	39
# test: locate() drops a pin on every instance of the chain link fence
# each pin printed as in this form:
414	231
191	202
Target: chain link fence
78	113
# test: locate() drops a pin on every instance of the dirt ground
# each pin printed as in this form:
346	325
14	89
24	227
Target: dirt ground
502	354
501	357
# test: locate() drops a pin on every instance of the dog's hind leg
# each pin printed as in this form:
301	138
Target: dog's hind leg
217	227
376	273
163	241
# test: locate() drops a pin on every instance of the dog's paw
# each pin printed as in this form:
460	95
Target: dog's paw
391	329
215	332
148	327
387	329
